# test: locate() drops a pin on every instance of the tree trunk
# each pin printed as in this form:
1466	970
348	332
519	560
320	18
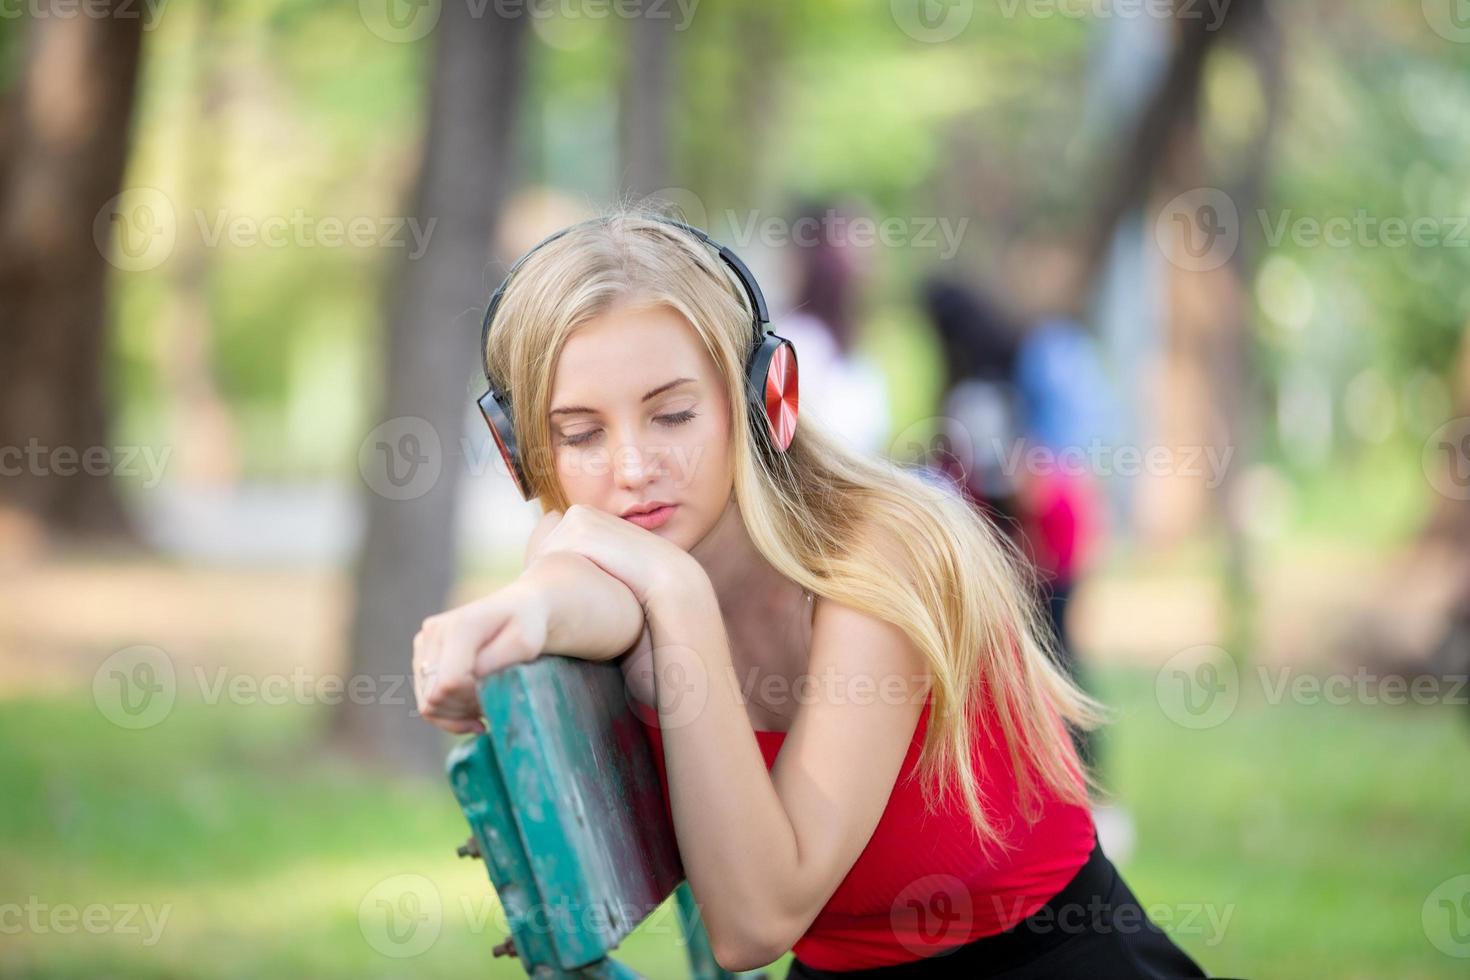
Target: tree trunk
411	464
647	103
1211	334
1174	103
65	158
201	427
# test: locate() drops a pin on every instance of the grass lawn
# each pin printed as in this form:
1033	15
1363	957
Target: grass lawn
1293	840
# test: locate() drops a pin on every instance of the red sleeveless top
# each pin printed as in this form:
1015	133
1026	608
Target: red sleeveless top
922	884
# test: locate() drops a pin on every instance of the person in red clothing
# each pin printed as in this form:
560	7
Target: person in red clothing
857	714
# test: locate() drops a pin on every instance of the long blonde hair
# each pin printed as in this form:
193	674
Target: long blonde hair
824	515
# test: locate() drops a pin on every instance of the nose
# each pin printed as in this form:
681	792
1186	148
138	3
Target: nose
634	464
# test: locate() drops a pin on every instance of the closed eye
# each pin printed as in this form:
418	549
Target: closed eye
668	421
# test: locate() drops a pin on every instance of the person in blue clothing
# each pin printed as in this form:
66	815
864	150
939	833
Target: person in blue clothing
1009	390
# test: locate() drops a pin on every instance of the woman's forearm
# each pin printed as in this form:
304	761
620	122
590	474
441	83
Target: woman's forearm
590	614
735	838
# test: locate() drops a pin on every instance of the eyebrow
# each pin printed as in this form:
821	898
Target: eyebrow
577	409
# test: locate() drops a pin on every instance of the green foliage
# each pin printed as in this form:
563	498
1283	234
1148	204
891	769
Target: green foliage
295	106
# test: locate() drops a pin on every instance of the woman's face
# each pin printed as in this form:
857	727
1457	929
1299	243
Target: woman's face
639	416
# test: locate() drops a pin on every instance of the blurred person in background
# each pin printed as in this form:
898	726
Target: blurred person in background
839	384
980	406
1009	391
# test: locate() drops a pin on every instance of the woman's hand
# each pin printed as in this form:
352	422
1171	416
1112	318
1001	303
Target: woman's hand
455	648
646	563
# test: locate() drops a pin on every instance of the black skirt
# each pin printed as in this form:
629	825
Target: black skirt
1094	928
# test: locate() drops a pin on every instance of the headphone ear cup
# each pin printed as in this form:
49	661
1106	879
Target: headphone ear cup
502	430
772	386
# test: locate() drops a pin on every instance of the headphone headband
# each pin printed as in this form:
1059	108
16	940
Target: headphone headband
757	299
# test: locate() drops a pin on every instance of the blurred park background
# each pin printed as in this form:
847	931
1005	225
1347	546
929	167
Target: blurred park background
244	247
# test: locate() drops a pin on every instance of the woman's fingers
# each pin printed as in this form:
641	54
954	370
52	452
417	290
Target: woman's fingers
441	700
510	647
476	727
453	694
453	650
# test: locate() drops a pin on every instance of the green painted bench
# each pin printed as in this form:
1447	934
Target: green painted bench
565	807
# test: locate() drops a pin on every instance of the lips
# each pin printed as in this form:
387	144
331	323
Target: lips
647	508
651	519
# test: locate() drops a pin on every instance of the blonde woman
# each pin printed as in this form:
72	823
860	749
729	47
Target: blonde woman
860	729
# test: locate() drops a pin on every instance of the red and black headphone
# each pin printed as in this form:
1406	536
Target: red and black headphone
770	365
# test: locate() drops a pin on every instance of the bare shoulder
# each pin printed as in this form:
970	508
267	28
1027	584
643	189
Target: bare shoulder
842	633
851	646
